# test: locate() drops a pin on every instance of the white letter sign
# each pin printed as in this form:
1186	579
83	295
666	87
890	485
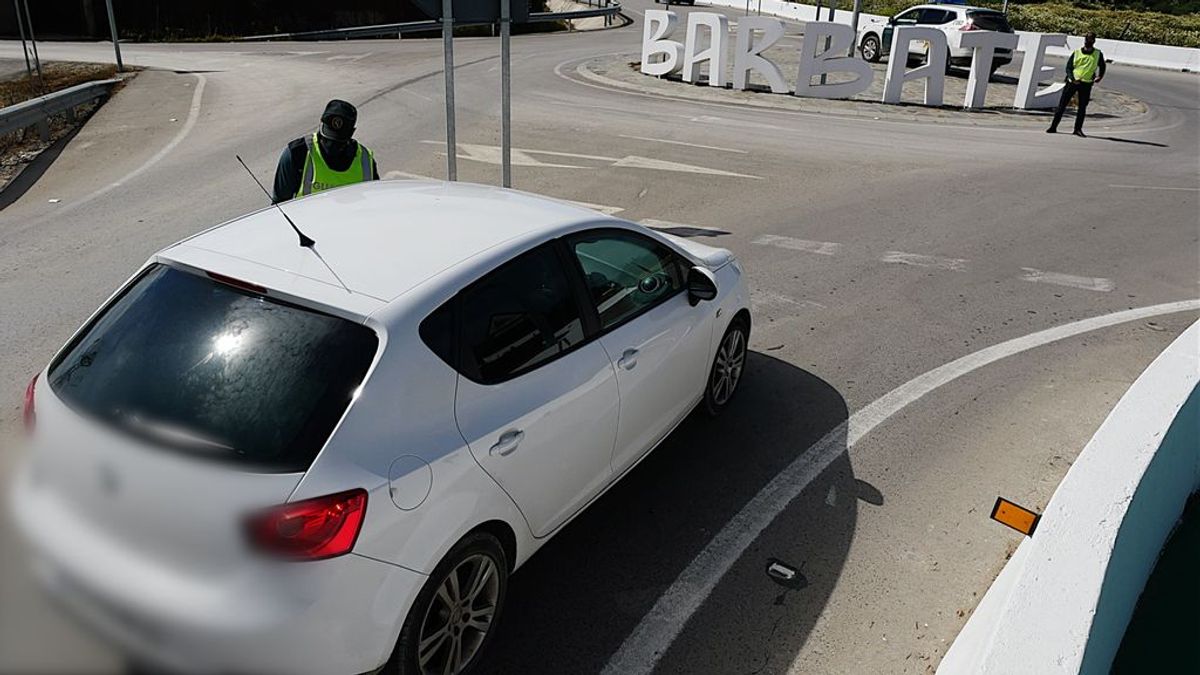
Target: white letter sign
660	24
747	58
718	40
1033	72
983	44
933	72
814	62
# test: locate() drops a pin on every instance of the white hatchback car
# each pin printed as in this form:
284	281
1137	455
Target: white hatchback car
258	457
875	37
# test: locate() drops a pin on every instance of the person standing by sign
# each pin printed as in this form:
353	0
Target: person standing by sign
1085	68
327	159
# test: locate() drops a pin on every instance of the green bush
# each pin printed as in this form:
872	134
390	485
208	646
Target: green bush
1115	19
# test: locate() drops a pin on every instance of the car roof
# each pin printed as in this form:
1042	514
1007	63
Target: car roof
378	238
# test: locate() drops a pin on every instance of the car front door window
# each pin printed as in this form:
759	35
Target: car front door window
626	274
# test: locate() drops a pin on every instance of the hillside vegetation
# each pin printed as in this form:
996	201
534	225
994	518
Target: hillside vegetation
1165	22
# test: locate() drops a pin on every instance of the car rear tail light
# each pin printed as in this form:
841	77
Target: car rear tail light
969	25
314	529
29	413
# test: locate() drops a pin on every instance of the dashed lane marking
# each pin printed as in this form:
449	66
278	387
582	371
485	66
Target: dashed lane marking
929	261
1086	283
490	154
653	635
791	243
606	210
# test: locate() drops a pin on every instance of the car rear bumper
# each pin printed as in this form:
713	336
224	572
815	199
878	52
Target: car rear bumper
333	616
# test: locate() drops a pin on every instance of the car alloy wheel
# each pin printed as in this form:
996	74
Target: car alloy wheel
459	617
727	368
870	48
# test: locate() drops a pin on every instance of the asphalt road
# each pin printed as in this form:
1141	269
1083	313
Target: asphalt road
879	250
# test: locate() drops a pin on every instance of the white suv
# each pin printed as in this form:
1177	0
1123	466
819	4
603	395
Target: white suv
875	38
259	457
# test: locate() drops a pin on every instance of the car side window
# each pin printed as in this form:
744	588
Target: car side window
626	273
908	18
936	17
517	317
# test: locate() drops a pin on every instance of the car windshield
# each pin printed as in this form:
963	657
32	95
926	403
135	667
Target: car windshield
990	21
211	369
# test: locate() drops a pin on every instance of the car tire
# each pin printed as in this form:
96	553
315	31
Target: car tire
870	48
438	610
728	366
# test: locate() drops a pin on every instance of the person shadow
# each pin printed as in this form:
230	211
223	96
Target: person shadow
1128	140
572	605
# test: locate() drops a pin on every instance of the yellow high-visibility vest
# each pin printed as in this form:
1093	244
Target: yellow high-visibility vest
1085	65
318	176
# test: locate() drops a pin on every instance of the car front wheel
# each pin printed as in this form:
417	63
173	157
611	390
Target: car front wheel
870	48
727	368
455	613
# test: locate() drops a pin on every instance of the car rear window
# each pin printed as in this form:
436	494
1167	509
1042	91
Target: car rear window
216	370
990	21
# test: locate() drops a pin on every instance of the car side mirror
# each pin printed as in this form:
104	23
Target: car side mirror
892	21
701	285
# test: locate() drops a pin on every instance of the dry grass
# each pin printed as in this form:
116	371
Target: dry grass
55	76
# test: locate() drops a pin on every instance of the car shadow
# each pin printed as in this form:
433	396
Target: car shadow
571	607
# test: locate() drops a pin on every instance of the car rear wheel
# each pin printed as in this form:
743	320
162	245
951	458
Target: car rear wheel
870	48
455	613
727	368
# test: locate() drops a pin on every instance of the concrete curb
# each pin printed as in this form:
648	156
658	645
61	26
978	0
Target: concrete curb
1062	603
909	112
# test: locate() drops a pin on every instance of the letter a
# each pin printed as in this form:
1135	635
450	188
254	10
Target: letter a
933	72
718	39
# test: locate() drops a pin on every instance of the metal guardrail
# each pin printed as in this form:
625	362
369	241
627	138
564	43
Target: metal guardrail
37	111
609	10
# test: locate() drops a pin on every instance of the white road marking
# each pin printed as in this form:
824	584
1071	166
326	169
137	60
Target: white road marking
818	247
1086	283
348	57
690	145
654	634
491	155
635	162
606	210
764	298
1155	187
930	261
390	175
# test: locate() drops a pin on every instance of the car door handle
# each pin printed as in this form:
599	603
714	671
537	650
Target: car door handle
508	442
628	360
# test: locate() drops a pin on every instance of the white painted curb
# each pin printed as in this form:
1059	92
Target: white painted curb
1062	603
1117	51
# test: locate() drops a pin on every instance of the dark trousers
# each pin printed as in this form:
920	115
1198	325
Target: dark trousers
1084	89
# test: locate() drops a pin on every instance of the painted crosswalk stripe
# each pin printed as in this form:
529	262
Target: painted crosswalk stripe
1086	283
928	261
793	244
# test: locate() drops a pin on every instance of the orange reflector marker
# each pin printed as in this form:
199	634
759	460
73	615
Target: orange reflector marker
1017	517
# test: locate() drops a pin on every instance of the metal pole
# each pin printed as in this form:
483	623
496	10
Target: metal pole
505	94
448	49
1005	8
33	41
112	24
21	27
854	24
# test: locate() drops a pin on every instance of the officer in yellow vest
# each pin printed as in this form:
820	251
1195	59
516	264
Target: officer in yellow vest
326	159
1085	67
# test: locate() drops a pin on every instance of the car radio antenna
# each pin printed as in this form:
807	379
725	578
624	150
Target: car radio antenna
305	240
